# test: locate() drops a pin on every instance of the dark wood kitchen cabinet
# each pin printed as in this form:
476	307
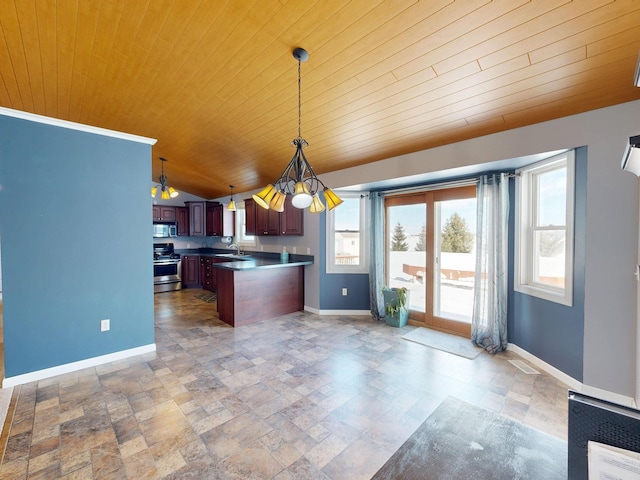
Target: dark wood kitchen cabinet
197	218
292	219
250	216
210	219
267	221
220	221
191	271
182	219
260	221
164	213
206	274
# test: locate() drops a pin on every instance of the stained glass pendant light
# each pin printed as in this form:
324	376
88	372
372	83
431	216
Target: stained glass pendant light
298	178
166	192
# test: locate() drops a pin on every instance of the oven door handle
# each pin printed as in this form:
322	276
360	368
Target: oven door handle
167	262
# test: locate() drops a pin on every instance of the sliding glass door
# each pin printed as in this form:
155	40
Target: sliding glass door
431	251
406	247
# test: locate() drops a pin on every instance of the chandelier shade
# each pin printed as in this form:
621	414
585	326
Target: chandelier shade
166	192
298	178
264	196
277	202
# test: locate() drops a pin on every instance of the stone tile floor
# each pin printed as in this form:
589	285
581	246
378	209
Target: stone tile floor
297	397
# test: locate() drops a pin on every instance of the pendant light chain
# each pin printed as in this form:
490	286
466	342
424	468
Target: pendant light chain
299	104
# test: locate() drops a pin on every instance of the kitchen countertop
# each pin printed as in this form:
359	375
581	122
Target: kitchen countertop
251	263
251	260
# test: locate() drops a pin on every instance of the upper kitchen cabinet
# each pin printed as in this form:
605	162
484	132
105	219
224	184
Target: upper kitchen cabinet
164	213
210	219
197	218
182	219
260	221
292	219
267	221
250	216
220	221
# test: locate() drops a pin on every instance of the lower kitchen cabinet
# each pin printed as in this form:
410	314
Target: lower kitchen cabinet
206	274
191	271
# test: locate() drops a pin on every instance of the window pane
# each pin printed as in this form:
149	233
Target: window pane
552	198
406	251
241	228
347	232
549	257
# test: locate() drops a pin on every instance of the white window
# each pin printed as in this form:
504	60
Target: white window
241	227
544	229
347	236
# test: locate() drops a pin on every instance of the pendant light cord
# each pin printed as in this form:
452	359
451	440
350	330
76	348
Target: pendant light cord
299	104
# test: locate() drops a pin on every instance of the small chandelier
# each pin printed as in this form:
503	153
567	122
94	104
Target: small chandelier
166	192
232	205
298	178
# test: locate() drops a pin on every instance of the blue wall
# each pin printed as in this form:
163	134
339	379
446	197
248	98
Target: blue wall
552	332
331	284
76	248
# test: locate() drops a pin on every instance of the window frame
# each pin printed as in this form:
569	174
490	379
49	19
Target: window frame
527	203
240	222
363	267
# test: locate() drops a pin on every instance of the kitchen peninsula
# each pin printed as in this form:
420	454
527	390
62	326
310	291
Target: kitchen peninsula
252	289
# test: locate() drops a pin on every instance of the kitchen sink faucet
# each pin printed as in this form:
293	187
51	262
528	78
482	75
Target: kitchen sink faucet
235	245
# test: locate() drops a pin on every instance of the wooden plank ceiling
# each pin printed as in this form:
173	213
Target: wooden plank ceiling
215	81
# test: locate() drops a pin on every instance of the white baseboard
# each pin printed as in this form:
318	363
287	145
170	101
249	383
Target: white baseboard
572	382
352	313
74	366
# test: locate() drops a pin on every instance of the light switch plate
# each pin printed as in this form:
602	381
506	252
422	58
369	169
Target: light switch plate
105	325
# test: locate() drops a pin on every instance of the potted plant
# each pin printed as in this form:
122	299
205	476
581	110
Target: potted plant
395	306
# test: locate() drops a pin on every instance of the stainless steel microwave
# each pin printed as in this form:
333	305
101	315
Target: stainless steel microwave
165	229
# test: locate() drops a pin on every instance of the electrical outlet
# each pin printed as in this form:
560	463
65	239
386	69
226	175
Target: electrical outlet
293	250
308	251
105	325
262	248
344	292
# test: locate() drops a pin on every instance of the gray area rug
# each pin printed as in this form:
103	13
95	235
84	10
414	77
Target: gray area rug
207	297
462	441
443	341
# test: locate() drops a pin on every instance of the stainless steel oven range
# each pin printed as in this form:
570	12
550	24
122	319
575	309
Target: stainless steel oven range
167	268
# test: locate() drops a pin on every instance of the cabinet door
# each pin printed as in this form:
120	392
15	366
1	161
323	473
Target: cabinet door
213	221
292	219
262	220
273	222
168	214
197	219
191	271
182	219
156	212
250	216
267	222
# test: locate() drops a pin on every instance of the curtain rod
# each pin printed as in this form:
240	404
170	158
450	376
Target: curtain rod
465	182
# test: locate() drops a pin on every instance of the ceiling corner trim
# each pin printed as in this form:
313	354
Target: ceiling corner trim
56	122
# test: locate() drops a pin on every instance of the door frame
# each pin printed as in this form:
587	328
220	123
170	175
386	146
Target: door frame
429	198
